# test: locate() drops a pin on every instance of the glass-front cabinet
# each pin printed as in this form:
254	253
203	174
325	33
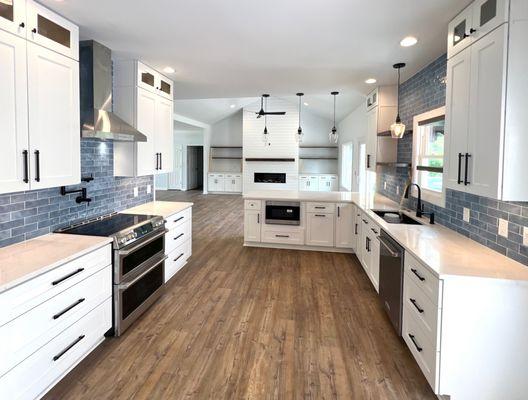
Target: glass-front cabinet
151	80
13	16
458	37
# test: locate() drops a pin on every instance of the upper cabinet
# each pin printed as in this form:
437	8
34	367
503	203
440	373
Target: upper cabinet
143	98
487	95
39	95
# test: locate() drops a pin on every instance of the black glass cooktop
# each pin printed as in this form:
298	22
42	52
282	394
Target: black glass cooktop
107	226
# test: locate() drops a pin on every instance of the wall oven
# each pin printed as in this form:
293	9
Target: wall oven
283	212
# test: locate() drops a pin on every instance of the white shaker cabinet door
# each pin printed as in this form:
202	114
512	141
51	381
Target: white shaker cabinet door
14	173
344	229
252	224
147	160
320	229
13	17
54	122
163	141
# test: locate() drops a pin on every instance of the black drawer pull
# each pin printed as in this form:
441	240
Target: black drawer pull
37	165
459	180
58	315
356	229
179	219
374	230
320	215
282	236
177	258
466	182
365	221
417	274
26	166
415	344
68	348
415	304
320	208
67	276
179	236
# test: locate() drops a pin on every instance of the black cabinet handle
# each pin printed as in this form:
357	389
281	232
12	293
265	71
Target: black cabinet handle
374	230
338	211
34	30
415	344
58	315
459	179
466	182
67	276
368	160
472	30
282	236
22	25
180	256
320	215
37	165
258	218
179	236
368	244
415	272
68	348
320	208
178	219
161	160
26	166
415	304
356	230
365	221
157	161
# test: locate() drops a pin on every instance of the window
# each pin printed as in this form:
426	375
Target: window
428	151
346	166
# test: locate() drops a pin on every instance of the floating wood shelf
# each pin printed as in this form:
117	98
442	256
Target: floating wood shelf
318	147
317	158
271	159
226	158
394	164
429	169
388	133
226	147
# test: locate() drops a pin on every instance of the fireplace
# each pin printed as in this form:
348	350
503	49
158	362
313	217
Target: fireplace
269	177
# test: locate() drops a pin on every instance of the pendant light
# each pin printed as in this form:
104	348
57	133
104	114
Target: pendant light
333	136
265	133
398	128
300	133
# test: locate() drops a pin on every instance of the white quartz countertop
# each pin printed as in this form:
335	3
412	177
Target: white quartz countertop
162	208
444	251
24	261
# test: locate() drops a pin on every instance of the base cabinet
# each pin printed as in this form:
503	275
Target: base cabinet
345	225
224	182
252	225
320	229
178	242
318	183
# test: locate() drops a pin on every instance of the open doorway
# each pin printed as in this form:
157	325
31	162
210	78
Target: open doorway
194	167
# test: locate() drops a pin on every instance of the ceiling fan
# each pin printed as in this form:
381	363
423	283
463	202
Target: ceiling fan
262	112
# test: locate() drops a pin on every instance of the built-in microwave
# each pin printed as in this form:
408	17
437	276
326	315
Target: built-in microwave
283	212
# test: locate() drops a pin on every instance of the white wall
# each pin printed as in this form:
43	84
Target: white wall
353	128
227	132
184	139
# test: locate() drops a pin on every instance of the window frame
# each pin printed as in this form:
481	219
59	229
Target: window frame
431	196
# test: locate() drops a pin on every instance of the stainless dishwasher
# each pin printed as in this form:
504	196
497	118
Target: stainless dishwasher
391	279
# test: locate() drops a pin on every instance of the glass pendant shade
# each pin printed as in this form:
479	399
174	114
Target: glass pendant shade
397	129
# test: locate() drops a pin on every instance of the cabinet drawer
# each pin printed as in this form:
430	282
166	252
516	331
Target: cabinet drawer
176	236
320	207
177	259
38	373
423	351
422	308
423	278
30	294
29	332
283	236
252	204
178	219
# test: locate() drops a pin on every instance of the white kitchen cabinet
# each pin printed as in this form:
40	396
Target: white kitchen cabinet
52	31
151	80
373	256
344	225
458	37
318	183
139	101
309	183
320	229
252	225
13	17
372	137
178	242
216	182
303	183
327	183
14	124
53	109
233	183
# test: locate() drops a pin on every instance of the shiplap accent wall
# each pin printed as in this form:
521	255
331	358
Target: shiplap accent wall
282	143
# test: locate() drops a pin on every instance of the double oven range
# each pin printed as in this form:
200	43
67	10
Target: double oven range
138	261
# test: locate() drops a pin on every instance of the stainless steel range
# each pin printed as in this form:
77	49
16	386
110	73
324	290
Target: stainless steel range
138	261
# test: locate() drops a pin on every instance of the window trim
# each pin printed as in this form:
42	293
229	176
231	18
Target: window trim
437	198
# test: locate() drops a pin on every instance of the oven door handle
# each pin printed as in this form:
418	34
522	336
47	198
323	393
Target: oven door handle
141	244
125	286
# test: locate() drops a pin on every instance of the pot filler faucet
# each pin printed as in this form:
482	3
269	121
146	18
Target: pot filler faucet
419	206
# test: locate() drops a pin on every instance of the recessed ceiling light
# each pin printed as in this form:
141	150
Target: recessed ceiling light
408	41
306	104
232	106
168	70
370	81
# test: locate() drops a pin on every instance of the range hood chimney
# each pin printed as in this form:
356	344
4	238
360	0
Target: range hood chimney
97	119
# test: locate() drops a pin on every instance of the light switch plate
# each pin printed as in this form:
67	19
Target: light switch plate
525	236
467	214
136	192
503	227
149	189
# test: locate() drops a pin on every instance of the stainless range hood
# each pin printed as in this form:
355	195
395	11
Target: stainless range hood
97	119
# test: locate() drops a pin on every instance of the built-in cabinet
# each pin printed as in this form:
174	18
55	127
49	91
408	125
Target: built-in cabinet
178	242
143	98
486	101
344	225
320	224
39	93
368	249
318	182
227	182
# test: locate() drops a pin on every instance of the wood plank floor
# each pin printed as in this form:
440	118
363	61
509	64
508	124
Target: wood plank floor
249	323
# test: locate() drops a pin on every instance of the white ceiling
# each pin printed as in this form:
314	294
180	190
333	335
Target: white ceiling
242	48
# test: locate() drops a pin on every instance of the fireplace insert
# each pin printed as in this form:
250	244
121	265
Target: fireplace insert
269	177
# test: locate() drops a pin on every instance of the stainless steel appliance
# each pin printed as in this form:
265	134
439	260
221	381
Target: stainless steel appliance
138	261
283	212
391	279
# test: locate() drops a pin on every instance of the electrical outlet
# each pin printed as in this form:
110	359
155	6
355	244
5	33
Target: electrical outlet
503	227
136	192
385	185
467	214
525	236
149	189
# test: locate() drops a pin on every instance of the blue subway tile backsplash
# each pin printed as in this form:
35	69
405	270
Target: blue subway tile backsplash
426	91
26	215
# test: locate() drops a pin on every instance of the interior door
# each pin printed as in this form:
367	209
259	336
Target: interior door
486	116
147	161
13	16
163	142
14	173
457	118
54	123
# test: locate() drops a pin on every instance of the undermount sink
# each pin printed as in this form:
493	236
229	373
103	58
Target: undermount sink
404	218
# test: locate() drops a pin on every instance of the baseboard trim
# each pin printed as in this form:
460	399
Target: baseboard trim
299	247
